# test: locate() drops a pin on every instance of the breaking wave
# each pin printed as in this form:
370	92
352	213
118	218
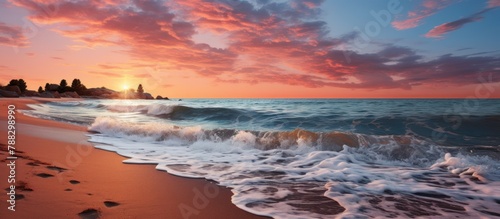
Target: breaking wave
300	173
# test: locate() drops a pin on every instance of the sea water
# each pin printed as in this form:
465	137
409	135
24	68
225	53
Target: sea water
313	158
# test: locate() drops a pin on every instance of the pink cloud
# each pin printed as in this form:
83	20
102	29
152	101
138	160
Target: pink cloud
440	30
493	3
426	9
12	36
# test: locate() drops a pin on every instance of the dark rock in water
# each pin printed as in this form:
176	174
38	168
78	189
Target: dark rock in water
4	93
180	99
89	213
14	88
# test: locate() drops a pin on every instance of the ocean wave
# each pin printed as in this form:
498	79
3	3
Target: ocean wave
83	104
304	174
395	147
179	111
451	130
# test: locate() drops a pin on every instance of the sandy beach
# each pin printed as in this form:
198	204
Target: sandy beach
59	174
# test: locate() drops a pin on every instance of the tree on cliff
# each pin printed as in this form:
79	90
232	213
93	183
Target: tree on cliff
63	86
63	83
40	89
76	83
77	86
47	87
140	90
20	83
13	82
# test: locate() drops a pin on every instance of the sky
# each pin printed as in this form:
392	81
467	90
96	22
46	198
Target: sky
257	48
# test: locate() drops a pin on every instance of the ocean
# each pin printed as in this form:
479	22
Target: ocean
313	158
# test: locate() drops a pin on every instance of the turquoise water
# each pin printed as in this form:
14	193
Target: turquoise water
445	122
313	158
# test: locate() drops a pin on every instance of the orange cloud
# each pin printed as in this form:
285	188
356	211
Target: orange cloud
274	42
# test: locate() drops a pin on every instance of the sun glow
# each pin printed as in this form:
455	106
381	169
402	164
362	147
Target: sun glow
125	87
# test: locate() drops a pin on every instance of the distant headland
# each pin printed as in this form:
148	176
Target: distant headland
19	88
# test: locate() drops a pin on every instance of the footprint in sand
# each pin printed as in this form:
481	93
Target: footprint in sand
23	186
89	213
45	175
111	204
74	182
56	168
33	164
68	190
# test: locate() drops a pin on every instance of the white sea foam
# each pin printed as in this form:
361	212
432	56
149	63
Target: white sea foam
301	180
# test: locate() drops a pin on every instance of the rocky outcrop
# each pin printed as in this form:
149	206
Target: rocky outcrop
161	98
135	95
48	94
103	93
31	93
6	93
13	89
146	96
72	94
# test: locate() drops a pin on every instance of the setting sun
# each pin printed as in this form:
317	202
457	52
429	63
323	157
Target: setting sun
125	87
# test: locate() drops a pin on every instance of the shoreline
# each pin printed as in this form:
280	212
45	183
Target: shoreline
59	174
